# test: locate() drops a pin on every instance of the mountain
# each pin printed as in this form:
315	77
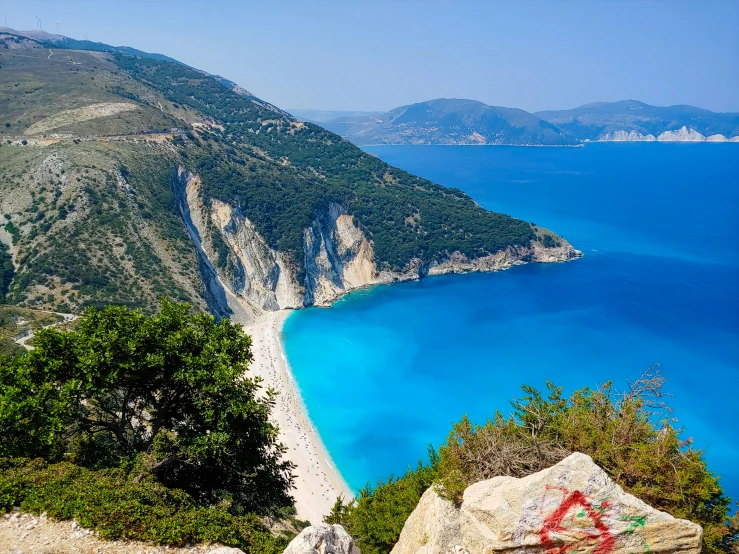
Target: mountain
321	116
449	121
633	120
125	178
42	38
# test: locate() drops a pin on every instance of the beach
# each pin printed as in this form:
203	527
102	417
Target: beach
318	483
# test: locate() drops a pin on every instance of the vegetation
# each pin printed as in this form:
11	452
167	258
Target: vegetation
378	516
627	434
6	271
127	503
130	411
17	322
282	173
101	225
95	222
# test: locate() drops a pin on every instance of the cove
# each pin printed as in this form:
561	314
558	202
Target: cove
387	370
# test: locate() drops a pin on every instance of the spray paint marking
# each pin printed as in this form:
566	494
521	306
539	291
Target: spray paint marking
553	524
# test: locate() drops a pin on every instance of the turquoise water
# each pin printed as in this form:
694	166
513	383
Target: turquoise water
389	369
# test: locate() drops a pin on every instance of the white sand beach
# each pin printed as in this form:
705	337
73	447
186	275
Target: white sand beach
318	482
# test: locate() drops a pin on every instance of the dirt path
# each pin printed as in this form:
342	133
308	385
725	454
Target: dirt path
24	339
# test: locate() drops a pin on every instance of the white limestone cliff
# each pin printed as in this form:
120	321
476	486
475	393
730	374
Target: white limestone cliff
338	258
681	135
630	136
678	135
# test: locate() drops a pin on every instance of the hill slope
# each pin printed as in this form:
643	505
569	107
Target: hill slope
449	121
615	120
125	178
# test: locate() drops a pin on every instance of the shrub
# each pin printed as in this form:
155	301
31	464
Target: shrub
380	512
127	504
628	434
168	389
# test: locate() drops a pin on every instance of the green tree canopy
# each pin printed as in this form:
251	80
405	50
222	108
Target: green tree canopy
168	389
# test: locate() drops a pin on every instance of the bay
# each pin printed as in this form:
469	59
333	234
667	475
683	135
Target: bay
387	370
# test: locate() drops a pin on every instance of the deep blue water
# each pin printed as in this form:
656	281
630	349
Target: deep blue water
388	370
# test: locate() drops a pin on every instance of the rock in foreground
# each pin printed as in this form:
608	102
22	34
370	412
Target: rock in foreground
571	507
322	539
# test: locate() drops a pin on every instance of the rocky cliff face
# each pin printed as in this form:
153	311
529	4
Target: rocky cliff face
250	277
679	135
571	507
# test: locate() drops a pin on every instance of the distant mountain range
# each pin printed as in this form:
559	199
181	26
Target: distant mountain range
455	121
449	121
639	121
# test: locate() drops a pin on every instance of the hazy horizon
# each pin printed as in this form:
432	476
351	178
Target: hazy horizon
362	56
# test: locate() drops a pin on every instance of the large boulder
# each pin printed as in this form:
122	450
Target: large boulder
572	507
322	539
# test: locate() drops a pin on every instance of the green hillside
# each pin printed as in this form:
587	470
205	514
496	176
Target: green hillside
91	143
450	121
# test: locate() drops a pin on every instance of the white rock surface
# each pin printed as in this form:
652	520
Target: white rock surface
322	539
630	136
226	550
571	507
681	135
338	258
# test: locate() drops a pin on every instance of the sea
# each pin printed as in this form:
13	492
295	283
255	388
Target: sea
387	370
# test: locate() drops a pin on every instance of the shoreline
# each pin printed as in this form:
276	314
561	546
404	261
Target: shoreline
317	480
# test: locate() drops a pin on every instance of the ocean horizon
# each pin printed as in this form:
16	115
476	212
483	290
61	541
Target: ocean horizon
656	288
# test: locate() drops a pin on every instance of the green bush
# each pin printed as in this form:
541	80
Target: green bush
7	270
170	389
627	434
127	504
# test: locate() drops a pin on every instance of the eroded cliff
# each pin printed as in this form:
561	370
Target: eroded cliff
242	274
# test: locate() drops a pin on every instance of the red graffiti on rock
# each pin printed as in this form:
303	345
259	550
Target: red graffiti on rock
554	525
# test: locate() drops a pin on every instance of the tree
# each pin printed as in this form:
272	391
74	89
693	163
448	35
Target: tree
169	390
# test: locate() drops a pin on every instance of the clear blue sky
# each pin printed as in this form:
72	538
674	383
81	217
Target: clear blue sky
362	55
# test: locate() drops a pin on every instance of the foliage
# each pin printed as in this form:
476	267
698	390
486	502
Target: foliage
127	504
7	270
282	174
168	387
120	244
627	434
378	516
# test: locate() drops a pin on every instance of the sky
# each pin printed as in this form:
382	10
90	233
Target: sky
377	55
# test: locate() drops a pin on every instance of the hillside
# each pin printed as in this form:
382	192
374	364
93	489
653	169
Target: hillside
449	121
615	120
125	178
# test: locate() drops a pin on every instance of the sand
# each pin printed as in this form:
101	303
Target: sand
318	483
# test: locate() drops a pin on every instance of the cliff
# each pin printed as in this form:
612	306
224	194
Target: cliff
250	277
683	134
154	179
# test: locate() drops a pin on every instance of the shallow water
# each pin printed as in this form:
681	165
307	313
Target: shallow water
389	369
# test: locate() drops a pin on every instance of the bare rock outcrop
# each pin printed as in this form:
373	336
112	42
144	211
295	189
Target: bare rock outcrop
571	507
322	539
250	276
683	134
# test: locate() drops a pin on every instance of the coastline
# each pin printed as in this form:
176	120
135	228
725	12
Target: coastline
317	480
